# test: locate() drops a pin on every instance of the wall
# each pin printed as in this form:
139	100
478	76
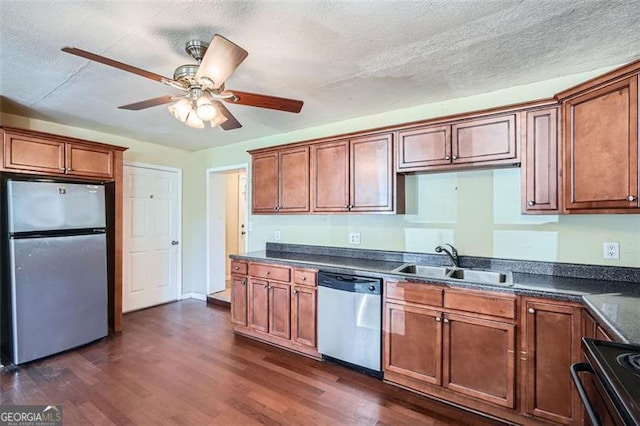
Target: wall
478	211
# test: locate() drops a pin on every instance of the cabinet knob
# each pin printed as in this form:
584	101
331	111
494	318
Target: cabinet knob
632	198
531	311
267	273
438	319
243	282
69	169
346	207
446	321
295	291
63	168
236	268
275	207
531	203
303	278
447	157
455	157
264	285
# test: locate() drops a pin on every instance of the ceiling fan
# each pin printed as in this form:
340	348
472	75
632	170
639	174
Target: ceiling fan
203	84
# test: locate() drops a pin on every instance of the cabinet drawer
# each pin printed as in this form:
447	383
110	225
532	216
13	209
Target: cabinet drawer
305	276
495	304
270	272
238	267
423	294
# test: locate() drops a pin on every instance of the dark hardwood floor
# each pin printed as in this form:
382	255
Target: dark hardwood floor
181	364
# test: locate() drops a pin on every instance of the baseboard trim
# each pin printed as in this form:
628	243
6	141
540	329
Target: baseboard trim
193	295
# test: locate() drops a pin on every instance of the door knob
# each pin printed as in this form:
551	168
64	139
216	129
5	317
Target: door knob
174	243
242	233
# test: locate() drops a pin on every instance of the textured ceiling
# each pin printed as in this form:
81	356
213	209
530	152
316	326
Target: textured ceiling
344	59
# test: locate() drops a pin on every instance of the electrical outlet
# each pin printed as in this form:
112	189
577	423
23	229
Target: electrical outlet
354	237
611	250
276	235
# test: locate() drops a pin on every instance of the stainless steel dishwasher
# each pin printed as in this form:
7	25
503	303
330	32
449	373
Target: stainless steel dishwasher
350	321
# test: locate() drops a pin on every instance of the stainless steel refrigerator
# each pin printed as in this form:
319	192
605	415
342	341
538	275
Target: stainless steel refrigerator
56	288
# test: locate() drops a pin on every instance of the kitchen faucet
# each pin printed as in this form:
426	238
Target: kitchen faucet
453	254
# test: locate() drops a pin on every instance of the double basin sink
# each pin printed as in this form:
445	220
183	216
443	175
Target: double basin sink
479	276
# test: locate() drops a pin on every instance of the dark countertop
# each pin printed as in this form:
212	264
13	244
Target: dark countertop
615	304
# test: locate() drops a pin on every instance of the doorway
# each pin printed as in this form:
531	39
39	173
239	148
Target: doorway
152	217
227	227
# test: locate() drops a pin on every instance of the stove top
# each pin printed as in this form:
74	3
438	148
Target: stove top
618	367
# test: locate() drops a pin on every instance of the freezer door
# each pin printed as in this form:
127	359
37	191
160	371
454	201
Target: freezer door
43	206
58	294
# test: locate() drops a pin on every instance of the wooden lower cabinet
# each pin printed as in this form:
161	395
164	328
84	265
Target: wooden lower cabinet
413	342
258	304
280	310
303	315
551	343
479	358
278	306
239	300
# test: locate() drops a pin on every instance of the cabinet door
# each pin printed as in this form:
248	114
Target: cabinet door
330	167
485	140
82	160
421	149
479	358
303	319
239	300
551	344
264	183
413	342
293	180
371	174
280	310
601	148
258	304
540	165
36	154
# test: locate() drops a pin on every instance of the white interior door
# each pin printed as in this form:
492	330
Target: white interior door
151	252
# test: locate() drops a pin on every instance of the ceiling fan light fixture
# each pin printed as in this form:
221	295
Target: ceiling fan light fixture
180	110
205	109
194	121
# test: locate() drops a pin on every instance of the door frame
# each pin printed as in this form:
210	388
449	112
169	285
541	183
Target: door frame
217	246
139	165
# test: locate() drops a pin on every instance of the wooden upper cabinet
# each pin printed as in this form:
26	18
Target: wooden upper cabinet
600	148
27	151
490	140
264	183
354	175
372	174
34	154
480	141
330	166
424	147
540	162
280	181
293	182
83	160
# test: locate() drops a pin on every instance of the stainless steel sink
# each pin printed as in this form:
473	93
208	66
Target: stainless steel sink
424	271
482	276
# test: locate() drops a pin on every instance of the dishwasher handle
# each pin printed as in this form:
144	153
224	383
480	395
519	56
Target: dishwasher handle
350	283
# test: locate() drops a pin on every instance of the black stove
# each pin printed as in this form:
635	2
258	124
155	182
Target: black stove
616	367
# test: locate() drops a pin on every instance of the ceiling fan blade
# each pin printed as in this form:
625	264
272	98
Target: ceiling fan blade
160	100
265	101
231	122
221	59
116	64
